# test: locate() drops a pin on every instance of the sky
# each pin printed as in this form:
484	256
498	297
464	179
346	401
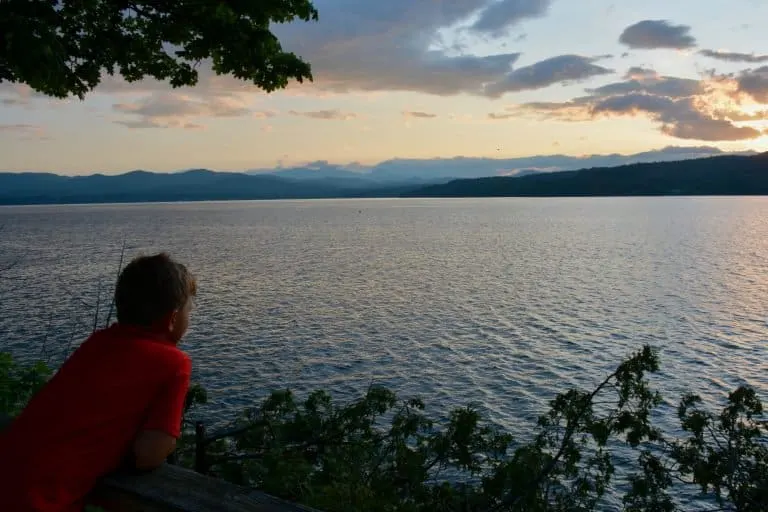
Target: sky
432	79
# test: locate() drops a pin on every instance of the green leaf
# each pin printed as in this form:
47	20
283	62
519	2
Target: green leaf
63	48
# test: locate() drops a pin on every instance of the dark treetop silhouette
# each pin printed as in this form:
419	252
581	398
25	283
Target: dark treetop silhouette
64	48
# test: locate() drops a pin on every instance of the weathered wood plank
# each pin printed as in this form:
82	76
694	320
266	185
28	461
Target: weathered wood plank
171	488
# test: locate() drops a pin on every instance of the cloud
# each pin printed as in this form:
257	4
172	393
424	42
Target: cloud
24	131
665	86
419	115
164	123
349	66
560	69
575	110
393	45
402	45
176	109
739	116
19	127
264	114
653	34
754	83
436	74
709	129
22	95
180	105
12	102
143	123
735	56
682	108
679	118
633	103
326	115
495	116
501	15
640	73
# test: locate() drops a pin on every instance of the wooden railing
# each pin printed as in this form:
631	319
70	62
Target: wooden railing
175	489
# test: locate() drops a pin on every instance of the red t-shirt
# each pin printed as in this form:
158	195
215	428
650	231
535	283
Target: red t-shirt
82	424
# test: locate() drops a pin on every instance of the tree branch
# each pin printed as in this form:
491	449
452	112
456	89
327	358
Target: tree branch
570	430
119	269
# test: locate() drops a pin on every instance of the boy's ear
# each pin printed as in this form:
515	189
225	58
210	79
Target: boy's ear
173	317
168	321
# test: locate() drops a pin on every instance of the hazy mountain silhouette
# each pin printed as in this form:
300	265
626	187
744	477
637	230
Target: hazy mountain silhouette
138	186
192	185
722	175
316	170
463	167
420	170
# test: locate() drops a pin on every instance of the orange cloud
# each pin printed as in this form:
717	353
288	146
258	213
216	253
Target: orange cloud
418	115
682	108
326	115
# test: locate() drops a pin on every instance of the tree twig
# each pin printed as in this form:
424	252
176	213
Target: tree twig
98	306
112	302
514	499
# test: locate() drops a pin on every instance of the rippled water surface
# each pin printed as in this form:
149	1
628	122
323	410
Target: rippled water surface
500	302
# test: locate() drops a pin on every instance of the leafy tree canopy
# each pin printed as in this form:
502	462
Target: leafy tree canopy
63	47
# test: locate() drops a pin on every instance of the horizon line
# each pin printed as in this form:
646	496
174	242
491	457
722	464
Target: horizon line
368	167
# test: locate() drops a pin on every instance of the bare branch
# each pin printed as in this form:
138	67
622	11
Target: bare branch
98	305
119	269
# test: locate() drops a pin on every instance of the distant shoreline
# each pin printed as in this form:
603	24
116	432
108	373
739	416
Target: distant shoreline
405	198
714	176
729	175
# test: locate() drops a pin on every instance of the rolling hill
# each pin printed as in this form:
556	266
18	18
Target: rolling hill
142	186
720	175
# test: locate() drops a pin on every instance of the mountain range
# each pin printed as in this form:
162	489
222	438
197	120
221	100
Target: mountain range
426	170
191	185
541	175
720	175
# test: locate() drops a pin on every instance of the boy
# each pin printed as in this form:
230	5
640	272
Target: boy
118	398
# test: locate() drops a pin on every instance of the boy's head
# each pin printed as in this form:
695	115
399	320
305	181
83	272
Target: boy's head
155	292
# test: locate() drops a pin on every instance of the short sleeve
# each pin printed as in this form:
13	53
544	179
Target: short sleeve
167	408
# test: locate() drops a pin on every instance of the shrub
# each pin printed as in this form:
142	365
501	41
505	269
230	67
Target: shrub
18	384
380	453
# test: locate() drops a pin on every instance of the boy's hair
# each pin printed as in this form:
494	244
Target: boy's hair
150	287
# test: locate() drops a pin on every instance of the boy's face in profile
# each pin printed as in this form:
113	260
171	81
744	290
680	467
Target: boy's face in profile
180	322
156	293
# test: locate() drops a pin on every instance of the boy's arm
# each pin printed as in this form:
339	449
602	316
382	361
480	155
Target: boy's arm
151	448
157	437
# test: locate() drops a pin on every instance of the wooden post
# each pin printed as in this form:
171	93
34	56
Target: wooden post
201	465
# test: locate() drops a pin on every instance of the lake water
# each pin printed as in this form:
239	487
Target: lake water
501	302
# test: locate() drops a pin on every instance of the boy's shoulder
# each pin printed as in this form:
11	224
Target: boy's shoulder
138	346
